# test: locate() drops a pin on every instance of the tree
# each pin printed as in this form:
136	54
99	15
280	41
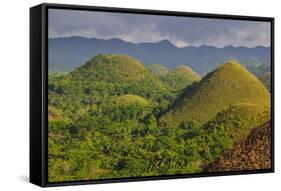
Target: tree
151	123
192	128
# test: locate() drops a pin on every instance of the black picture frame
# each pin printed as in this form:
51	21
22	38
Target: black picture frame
39	93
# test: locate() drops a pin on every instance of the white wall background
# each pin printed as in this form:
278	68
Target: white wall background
14	95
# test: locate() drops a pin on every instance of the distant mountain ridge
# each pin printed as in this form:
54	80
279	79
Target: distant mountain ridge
68	53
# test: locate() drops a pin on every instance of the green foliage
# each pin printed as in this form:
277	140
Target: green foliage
157	70
128	99
104	126
232	125
125	107
179	78
191	127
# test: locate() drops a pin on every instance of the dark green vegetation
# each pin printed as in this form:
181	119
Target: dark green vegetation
112	118
157	70
179	78
176	79
251	153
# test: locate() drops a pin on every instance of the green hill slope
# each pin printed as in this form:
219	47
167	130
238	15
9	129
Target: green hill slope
121	73
180	77
111	68
157	69
238	119
229	127
229	84
103	77
251	153
183	69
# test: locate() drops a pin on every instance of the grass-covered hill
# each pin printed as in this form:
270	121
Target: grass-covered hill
229	127
180	77
157	69
229	84
238	119
109	118
175	79
106	76
183	69
123	71
251	153
113	68
266	80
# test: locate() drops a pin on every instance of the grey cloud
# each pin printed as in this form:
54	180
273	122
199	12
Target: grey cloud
150	28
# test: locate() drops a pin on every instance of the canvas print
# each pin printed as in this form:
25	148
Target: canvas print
142	95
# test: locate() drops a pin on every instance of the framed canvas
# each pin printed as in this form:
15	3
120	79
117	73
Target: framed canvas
128	94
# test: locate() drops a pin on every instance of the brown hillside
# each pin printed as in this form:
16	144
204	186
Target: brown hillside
252	153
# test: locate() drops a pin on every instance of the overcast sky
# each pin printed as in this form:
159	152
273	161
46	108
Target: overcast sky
181	31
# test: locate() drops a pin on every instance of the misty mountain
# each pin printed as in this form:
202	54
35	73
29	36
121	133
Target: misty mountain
68	53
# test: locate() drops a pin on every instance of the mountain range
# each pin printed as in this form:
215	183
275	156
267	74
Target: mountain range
67	53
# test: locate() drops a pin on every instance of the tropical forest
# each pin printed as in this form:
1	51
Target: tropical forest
114	116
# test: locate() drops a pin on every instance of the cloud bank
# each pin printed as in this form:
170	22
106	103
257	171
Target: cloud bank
181	31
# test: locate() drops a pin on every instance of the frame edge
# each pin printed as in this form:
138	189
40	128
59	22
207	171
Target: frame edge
36	173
